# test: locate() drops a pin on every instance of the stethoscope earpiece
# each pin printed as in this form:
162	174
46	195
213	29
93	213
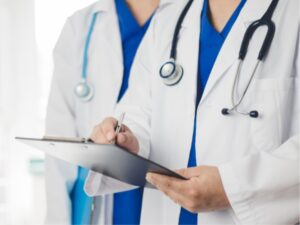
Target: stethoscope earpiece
171	73
84	91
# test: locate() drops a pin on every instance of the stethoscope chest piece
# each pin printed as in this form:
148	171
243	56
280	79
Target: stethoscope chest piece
171	73
84	91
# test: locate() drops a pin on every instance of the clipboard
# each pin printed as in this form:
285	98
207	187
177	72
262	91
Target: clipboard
109	160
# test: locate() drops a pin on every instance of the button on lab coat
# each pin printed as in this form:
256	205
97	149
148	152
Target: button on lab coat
258	159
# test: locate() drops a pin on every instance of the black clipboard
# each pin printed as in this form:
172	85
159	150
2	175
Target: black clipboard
109	160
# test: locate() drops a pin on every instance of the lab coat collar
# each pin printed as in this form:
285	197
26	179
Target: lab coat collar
252	10
106	5
166	2
111	24
190	19
103	6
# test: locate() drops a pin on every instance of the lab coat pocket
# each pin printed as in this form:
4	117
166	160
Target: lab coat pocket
270	97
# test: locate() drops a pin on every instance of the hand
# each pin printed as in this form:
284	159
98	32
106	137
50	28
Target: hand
104	133
203	191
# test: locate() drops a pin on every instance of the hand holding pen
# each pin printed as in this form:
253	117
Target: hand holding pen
119	126
112	131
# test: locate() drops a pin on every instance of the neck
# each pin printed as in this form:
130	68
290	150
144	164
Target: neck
142	9
221	11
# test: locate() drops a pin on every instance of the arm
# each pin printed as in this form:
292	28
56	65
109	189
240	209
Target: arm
136	105
266	189
258	187
261	188
60	121
269	192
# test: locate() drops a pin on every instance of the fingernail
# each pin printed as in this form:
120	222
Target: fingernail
110	136
149	178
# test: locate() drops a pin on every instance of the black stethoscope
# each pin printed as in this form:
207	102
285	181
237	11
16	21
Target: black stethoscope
171	72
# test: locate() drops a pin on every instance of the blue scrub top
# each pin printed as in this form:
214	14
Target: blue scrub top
127	205
211	42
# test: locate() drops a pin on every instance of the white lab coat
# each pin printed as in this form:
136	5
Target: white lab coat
258	159
69	116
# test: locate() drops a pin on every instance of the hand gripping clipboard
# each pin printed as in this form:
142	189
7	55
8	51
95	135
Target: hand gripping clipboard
109	160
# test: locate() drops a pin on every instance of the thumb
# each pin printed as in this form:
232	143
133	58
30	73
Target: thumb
128	141
189	172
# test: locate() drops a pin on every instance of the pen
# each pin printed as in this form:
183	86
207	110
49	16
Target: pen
119	126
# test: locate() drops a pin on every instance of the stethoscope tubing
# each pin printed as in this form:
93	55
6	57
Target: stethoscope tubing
173	53
87	46
265	20
234	88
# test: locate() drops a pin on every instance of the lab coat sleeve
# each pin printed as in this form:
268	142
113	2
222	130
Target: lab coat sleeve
259	186
136	105
136	102
60	121
263	188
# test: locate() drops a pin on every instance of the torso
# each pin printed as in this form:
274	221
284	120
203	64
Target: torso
219	139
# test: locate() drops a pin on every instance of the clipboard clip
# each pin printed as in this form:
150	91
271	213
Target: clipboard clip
68	139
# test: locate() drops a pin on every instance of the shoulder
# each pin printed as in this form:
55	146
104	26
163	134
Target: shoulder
74	29
79	20
166	18
169	11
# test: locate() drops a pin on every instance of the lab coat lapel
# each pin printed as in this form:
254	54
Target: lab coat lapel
188	48
252	11
108	43
165	2
113	37
103	6
108	19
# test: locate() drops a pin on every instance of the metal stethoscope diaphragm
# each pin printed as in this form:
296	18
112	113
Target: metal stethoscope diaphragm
171	73
84	91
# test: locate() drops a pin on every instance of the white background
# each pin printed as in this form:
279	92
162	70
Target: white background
28	32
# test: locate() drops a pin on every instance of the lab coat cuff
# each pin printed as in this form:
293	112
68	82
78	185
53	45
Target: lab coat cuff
92	183
144	148
98	184
239	199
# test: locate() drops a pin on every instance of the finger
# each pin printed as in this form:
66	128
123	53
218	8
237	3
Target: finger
108	128
177	198
97	135
189	172
179	191
128	141
124	128
166	182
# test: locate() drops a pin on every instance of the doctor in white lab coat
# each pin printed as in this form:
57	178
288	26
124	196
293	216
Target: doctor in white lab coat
252	164
68	115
